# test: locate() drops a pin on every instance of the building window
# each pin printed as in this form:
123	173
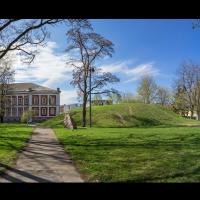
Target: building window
52	111
20	100
52	99
14	100
35	100
8	112
44	99
20	111
26	100
44	111
26	109
35	111
14	112
8	102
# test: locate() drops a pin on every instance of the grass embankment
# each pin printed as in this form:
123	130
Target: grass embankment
133	143
126	115
13	138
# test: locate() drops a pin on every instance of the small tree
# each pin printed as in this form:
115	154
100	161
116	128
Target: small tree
97	99
26	116
147	89
163	96
115	97
6	77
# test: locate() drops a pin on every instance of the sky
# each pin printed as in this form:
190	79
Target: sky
151	46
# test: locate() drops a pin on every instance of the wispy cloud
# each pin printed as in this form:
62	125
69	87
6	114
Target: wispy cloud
132	73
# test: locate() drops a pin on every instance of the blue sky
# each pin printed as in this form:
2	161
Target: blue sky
155	47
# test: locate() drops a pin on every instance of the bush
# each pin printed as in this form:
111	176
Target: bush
26	116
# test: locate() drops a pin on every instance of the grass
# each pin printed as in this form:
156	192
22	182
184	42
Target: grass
126	115
133	143
13	138
135	154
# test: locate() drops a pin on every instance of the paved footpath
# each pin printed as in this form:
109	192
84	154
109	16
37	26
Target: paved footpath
43	160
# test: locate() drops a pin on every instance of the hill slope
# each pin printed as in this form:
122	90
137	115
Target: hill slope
126	115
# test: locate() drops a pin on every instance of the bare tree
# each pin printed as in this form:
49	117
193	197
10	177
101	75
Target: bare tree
6	77
147	89
21	34
87	47
163	95
188	76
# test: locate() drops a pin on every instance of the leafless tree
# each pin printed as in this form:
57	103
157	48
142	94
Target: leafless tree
188	76
147	89
87	47
22	34
163	95
6	77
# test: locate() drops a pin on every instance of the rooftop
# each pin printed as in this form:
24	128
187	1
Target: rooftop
35	88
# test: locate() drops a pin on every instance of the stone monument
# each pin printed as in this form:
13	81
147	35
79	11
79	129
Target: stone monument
69	121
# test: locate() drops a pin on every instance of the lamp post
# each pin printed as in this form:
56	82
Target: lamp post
91	70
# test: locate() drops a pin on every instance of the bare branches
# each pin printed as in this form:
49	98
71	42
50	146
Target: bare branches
89	46
188	84
20	34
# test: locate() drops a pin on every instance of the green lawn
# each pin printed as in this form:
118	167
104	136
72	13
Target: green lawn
13	137
168	154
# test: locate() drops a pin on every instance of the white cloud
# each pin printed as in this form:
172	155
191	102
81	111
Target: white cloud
132	73
48	67
68	97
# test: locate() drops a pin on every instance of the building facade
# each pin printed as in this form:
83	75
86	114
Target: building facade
42	101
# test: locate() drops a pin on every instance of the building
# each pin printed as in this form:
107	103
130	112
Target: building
65	108
42	101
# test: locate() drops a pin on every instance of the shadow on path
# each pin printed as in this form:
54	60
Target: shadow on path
8	177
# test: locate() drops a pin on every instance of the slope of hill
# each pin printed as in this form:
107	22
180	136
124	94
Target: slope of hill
126	115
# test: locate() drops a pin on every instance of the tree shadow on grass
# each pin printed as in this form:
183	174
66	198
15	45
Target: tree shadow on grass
164	178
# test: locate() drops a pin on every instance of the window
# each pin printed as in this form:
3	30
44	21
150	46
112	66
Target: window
52	99
52	111
44	111
14	100
26	100
44	99
35	111
14	112
8	112
8	101
35	99
20	111
20	100
26	109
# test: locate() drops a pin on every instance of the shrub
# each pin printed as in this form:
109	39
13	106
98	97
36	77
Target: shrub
26	116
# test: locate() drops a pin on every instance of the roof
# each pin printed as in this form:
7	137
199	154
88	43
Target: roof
35	88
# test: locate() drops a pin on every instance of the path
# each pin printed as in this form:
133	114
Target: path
43	160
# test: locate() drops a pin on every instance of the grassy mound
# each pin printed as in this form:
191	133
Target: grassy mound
126	115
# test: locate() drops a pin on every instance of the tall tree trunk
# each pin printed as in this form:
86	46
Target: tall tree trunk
84	104
84	114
